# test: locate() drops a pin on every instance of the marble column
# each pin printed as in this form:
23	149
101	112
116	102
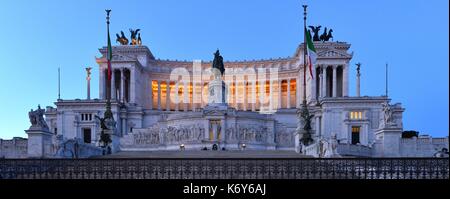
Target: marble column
280	93
358	84
102	83
167	95
194	95
177	97
113	86
288	95
132	83
122	84
299	96
345	81
159	95
313	85
186	96
320	85
324	82
151	94
253	98
236	95
245	96
334	81
223	125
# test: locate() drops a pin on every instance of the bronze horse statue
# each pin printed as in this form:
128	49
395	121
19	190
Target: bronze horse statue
315	30
326	36
134	33
122	39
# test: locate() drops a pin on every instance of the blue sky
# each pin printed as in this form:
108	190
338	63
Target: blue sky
37	37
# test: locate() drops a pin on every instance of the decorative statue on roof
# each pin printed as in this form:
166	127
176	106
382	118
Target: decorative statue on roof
315	30
37	118
387	115
134	33
122	39
358	68
326	36
139	40
218	62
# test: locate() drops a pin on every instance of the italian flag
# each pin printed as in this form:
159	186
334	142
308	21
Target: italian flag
109	56
312	55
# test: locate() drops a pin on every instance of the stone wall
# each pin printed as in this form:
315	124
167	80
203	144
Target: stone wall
423	146
14	148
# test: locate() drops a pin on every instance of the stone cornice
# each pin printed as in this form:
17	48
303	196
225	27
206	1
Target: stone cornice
129	50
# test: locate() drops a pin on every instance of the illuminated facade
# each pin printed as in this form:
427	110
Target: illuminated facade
163	105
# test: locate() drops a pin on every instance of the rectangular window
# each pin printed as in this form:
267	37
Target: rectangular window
356	115
355	134
87	135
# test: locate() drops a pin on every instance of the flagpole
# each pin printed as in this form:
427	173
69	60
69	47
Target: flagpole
59	84
304	124
108	84
387	80
304	54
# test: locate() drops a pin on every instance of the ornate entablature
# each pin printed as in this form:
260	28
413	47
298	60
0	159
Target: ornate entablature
283	64
329	50
140	54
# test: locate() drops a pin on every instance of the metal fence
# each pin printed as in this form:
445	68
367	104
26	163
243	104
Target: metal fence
232	168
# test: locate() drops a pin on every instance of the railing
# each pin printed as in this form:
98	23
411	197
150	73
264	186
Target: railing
233	168
312	150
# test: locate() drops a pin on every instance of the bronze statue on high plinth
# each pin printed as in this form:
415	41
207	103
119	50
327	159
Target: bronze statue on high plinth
218	62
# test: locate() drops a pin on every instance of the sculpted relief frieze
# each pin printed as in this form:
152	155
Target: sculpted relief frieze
157	135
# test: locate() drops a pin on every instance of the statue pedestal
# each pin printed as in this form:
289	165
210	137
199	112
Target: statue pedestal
389	138
217	91
39	142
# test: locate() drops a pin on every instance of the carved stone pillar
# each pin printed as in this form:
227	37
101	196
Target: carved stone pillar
102	83
321	85
299	96
280	93
253	97
245	100
313	84
185	96
177	97
113	86
324	82
167	95
334	81
122	84
132	82
151	94
345	81
159	95
288	95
